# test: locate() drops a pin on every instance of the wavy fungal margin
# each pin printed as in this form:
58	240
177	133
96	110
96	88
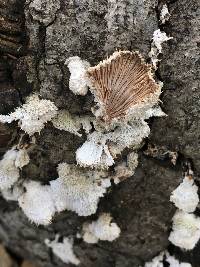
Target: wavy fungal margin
121	83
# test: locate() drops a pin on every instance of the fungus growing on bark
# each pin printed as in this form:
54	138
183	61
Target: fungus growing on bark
164	14
78	82
101	229
32	115
63	250
156	46
78	190
185	231
123	84
185	196
37	203
12	161
72	123
165	259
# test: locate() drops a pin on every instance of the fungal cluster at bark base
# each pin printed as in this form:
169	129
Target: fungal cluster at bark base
186	225
101	229
63	250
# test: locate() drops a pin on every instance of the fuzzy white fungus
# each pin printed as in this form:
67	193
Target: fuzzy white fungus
185	196
32	115
94	152
37	203
78	82
72	123
164	14
13	193
63	250
102	229
185	231
12	160
100	149
164	256
156	46
78	190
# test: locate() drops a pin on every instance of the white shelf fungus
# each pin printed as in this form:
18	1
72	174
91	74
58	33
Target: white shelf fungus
12	160
37	203
185	196
101	149
165	257
175	263
185	231
102	229
72	123
164	14
156	46
77	190
78	79
156	261
63	250
123	84
94	152
32	115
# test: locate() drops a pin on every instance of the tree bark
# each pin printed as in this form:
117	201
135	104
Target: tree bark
35	41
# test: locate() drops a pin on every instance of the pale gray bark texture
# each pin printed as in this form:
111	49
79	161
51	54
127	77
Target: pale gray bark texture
35	41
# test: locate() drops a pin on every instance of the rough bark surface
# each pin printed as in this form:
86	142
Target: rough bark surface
35	41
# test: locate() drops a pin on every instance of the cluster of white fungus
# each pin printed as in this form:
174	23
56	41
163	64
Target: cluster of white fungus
164	14
33	115
165	257
100	149
185	230
101	229
156	46
63	250
13	160
37	203
185	196
78	190
186	226
72	123
78	82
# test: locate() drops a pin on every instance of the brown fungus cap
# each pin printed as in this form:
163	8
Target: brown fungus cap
121	83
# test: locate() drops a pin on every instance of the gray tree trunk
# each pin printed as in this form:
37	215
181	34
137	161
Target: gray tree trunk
34	43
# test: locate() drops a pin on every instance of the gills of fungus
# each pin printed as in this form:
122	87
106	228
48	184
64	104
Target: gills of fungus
122	85
101	229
